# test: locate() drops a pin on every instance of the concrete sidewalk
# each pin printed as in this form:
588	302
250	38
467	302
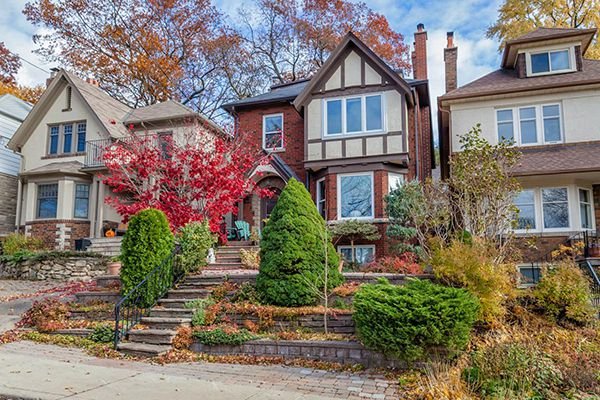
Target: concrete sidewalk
34	371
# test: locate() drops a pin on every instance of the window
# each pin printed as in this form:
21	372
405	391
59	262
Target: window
550	61
67	138
273	132
585	208
82	200
362	254
532	120
528	125
395	181
81	127
525	202
47	200
505	125
529	274
165	141
555	208
353	115
53	148
355	196
321	203
551	116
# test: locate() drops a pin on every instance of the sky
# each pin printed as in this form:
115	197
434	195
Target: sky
468	19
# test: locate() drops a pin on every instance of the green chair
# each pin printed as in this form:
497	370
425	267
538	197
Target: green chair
243	230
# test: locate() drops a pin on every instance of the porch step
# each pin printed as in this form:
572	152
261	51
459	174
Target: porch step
108	281
229	258
225	265
188	293
152	336
142	349
166	322
239	243
172	312
173	303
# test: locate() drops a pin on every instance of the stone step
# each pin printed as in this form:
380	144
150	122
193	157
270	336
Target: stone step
172	312
173	303
99	296
152	336
199	282
238	243
142	349
188	293
228	258
108	280
223	265
170	323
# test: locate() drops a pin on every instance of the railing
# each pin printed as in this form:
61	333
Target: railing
94	152
587	266
136	304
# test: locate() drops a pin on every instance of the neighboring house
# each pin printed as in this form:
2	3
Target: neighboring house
545	97
61	196
12	113
350	133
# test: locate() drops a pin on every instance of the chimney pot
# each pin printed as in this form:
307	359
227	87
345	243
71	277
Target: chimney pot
450	39
420	28
53	72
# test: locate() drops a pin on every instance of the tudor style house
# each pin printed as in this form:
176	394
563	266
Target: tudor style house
61	196
546	98
350	133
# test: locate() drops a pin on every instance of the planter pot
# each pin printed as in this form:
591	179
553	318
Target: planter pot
114	268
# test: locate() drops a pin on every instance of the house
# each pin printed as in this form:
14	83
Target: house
546	98
350	133
12	113
61	196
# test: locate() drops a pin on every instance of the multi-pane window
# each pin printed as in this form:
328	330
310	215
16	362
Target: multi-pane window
537	124
273	132
505	125
528	125
321	202
585	208
53	147
352	115
355	196
361	254
47	200
551	116
550	61
82	200
525	202
395	181
555	208
67	138
81	128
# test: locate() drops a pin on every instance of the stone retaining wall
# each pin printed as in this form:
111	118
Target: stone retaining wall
59	268
344	352
341	323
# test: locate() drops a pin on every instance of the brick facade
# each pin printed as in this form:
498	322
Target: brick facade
58	234
8	203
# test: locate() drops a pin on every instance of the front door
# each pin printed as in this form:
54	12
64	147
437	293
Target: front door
267	204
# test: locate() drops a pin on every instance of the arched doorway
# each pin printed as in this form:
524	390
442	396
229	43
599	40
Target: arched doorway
267	204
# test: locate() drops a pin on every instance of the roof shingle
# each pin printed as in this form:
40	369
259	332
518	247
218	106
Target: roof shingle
559	158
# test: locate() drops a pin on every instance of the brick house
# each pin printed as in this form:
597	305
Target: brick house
352	131
61	196
546	97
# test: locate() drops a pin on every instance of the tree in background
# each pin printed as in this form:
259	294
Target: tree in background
9	67
195	176
517	17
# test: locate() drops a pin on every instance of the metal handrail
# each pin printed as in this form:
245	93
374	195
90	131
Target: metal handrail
136	304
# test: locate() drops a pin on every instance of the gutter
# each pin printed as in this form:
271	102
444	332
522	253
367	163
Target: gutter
416	103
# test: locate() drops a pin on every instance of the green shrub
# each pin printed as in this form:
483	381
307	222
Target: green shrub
218	336
246	294
195	239
292	251
148	242
103	334
199	306
406	321
564	294
19	243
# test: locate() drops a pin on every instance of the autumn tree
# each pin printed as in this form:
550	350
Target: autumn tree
517	17
193	176
30	94
9	65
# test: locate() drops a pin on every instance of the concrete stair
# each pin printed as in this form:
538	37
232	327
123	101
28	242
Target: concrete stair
228	256
106	246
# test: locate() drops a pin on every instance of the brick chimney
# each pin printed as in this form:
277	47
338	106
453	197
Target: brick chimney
419	54
53	72
450	58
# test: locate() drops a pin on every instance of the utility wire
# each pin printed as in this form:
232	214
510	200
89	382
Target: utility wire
33	65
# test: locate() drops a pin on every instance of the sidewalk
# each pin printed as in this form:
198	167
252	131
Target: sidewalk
35	371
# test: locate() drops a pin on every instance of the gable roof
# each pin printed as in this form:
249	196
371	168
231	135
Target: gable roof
14	107
157	112
279	93
349	40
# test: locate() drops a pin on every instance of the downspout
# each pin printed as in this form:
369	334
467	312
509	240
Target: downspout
416	102
19	204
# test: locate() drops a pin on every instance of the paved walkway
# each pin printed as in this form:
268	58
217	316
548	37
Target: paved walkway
36	371
10	311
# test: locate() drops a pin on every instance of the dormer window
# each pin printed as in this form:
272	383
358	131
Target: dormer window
549	62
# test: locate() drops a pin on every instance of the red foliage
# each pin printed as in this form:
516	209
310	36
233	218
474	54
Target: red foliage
46	315
406	263
9	65
194	176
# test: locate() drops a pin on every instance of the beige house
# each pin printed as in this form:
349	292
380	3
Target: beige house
61	196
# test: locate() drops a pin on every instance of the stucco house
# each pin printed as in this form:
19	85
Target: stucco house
12	113
350	133
546	98
61	196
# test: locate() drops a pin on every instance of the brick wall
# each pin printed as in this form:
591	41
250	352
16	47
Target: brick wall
533	248
450	62
419	55
249	122
59	234
8	203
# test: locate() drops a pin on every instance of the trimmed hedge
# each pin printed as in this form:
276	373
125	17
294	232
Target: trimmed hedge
147	243
406	321
292	254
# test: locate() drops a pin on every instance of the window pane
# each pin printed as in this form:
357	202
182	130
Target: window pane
551	111
47	201
364	255
584	195
505	131
504	115
552	129
554	195
353	115
525	203
540	63
321	197
334	117
373	106
525	197
585	209
273	124
273	140
527	113
559	60
54	140
81	137
395	181
67	138
530	274
355	198
528	132
555	208
346	253
82	195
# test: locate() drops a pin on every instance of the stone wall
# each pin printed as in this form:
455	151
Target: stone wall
8	203
55	268
344	352
342	323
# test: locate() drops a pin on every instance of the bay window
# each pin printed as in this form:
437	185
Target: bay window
47	200
355	196
585	208
555	208
530	125
525	202
273	132
82	200
353	115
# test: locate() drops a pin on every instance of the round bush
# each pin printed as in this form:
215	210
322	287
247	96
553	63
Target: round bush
292	252
147	243
406	321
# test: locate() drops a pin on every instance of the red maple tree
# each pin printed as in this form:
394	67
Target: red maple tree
193	175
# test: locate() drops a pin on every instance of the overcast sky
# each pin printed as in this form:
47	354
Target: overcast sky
468	19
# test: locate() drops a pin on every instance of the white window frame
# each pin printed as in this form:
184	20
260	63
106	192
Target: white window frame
363	107
541	197
37	199
400	177
535	213
356	246
530	267
264	133
591	205
539	123
548	50
75	199
321	197
339	195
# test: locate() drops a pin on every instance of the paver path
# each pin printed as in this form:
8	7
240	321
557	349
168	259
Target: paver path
30	370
